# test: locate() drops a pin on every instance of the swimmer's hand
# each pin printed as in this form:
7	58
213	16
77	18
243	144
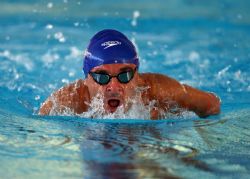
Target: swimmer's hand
73	97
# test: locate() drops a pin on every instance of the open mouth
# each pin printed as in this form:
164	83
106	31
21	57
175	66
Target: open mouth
114	103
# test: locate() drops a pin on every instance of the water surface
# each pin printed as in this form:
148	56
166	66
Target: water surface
203	44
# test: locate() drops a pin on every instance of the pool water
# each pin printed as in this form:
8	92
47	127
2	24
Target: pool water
203	44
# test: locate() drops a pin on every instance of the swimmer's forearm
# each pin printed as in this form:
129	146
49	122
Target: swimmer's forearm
45	108
202	103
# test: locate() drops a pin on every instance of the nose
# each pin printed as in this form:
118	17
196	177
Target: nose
114	86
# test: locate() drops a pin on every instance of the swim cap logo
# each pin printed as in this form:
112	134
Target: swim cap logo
110	44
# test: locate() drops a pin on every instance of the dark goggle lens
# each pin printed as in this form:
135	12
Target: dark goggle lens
102	79
125	77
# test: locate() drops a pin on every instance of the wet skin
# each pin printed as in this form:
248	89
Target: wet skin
168	93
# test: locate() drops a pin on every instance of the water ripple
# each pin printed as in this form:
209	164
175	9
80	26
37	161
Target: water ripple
21	139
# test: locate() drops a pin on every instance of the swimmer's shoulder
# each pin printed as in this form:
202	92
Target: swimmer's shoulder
73	96
160	86
76	86
156	79
75	91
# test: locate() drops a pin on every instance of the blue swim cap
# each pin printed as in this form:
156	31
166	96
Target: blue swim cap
109	47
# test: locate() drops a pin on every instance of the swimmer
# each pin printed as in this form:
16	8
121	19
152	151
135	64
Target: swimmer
111	66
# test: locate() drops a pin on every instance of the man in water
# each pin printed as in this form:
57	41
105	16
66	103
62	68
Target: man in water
111	68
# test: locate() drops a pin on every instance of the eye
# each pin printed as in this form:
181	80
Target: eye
100	78
103	78
126	76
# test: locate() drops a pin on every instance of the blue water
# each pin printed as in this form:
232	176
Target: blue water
203	44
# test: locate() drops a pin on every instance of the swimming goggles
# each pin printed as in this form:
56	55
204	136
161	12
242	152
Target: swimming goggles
104	78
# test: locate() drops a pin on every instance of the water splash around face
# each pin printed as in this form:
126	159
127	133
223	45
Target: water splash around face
134	108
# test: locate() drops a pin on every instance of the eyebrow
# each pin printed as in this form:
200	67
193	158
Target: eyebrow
101	71
125	69
121	70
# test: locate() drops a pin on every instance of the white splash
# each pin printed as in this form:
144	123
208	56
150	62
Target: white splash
223	71
50	5
37	97
64	80
21	59
136	110
136	14
49	58
49	26
194	56
133	109
60	37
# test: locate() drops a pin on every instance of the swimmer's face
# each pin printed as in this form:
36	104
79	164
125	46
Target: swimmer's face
115	92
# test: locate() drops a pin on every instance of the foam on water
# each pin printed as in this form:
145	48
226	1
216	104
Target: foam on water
137	110
133	109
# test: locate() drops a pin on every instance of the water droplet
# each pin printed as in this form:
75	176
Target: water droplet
71	74
37	97
149	43
136	14
76	24
49	26
60	37
64	80
50	5
193	56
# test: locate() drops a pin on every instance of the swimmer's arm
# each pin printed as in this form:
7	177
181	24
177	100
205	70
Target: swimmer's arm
200	102
167	90
74	96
